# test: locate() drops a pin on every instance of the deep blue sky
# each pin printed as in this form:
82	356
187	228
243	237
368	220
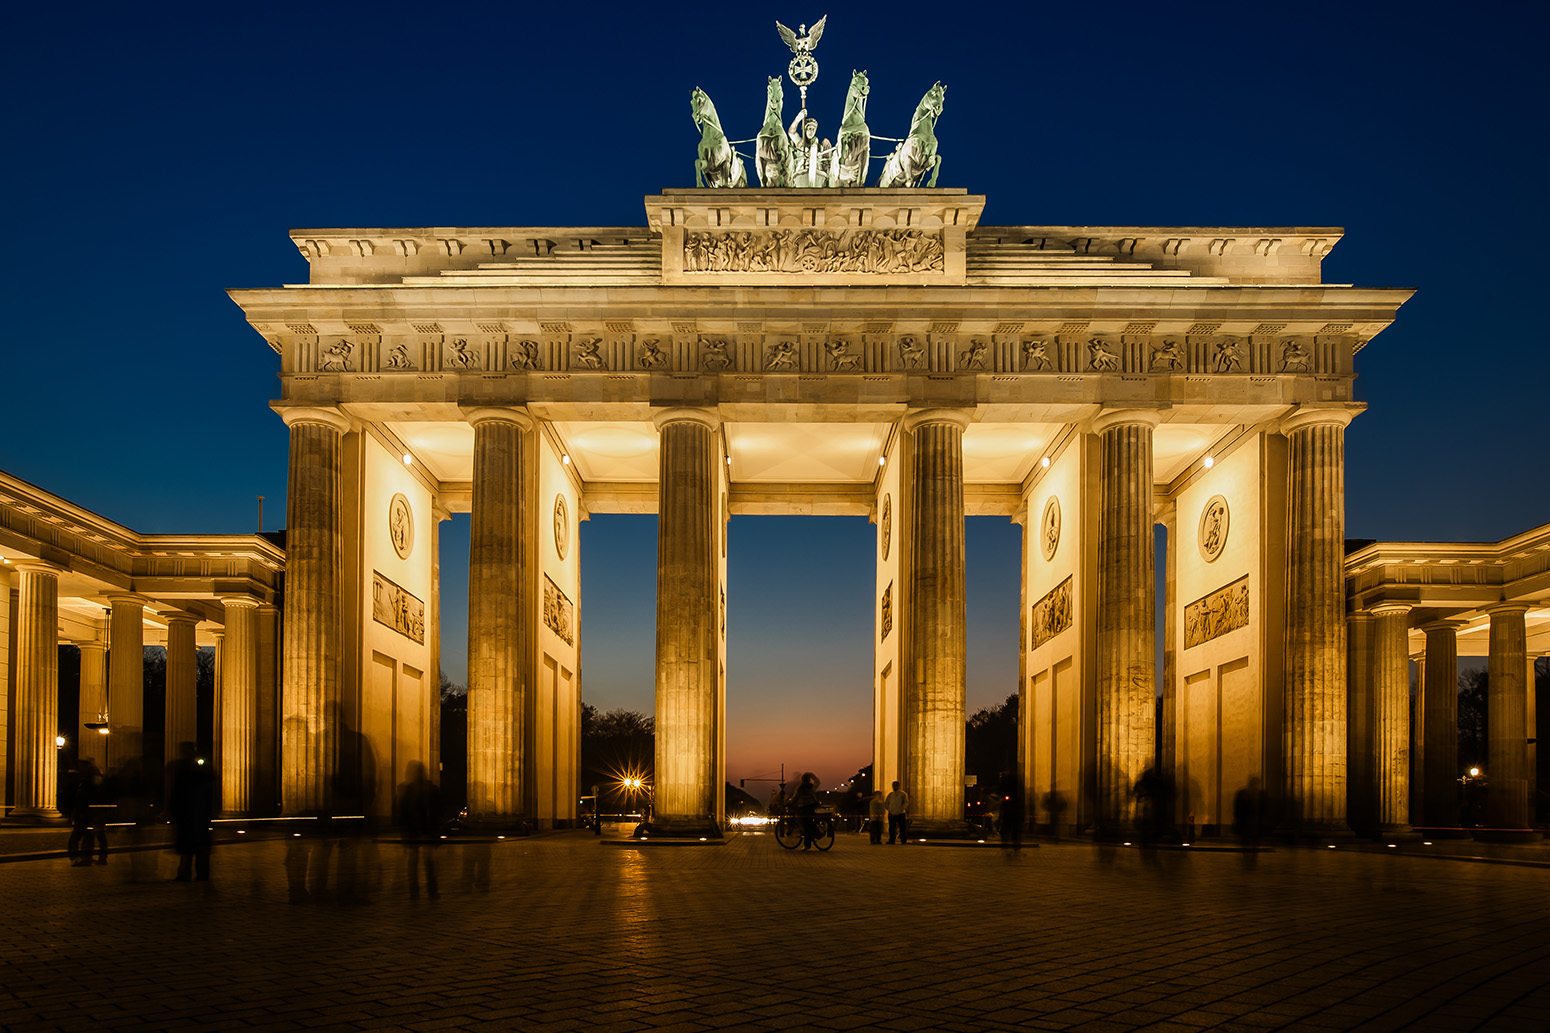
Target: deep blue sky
157	154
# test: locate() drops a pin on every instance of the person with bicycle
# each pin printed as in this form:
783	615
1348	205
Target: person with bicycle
804	804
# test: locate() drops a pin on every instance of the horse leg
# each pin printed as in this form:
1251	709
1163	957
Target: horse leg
936	169
699	172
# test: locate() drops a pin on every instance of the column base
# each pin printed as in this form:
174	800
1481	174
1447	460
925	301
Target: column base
36	816
679	828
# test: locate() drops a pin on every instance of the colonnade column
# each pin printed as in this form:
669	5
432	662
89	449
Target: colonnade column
1507	734
1316	688
126	682
1167	732
182	713
236	720
1127	608
311	698
1391	715
1361	721
36	765
499	679
688	638
94	703
933	692
1439	703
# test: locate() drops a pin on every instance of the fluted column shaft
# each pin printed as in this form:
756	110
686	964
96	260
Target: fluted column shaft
181	722
934	697
687	633
94	703
1507	735
36	767
1391	716
126	682
1167	733
1439	701
237	717
1127	608
314	593
1316	688
498	629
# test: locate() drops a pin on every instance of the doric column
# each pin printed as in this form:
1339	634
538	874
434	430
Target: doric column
933	693
1127	607
182	714
1361	720
313	627
1315	744
126	682
1418	740
498	627
1167	746
1507	770
237	717
1391	715
36	769
263	792
1440	702
688	648
94	703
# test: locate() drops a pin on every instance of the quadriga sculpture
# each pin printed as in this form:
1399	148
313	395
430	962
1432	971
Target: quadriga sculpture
772	147
717	164
854	149
916	154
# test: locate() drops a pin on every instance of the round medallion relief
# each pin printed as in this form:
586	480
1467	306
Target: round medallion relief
561	526
887	521
1049	528
1213	528
401	526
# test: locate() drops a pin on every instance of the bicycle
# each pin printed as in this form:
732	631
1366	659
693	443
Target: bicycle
788	831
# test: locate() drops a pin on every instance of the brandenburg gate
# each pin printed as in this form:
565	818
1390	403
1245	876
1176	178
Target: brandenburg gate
849	350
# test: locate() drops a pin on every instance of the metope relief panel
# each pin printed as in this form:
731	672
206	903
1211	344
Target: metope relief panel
1214	615
1052	614
393	606
887	612
814	251
559	613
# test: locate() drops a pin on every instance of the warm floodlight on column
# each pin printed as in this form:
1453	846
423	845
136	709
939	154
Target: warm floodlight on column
688	711
36	718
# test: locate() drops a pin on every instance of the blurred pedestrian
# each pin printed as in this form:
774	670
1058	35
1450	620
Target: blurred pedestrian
805	805
876	812
191	805
1248	810
1010	791
897	803
419	815
87	820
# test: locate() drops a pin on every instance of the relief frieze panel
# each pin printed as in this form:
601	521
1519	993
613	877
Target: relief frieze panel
1214	615
395	607
559	612
814	251
886	621
1051	614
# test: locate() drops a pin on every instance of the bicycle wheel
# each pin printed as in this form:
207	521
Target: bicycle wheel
823	837
788	833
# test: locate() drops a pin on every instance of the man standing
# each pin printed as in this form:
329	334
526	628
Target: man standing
898	806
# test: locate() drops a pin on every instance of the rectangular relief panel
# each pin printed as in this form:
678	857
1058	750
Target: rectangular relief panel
1052	614
397	608
559	613
1214	615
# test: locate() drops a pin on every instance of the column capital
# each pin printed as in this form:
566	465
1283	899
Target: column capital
127	599
237	602
38	567
1438	627
1108	419
920	417
329	417
1506	609
683	414
504	414
181	615
1390	609
1312	416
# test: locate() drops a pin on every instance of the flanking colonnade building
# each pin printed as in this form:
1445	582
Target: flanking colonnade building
860	351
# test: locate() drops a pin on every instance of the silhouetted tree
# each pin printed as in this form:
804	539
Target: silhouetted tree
615	745
454	744
990	742
1474	705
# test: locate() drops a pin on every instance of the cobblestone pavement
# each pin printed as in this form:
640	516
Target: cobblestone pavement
570	933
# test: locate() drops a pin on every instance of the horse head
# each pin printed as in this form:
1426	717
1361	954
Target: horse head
701	108
931	103
855	97
775	98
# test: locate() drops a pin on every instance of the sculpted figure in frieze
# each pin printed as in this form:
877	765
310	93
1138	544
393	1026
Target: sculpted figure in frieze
840	356
1227	358
651	354
772	147
588	353
912	354
398	358
1168	357
916	154
1295	357
524	355
782	355
1099	358
714	353
975	356
1034	354
814	251
717	164
335	358
461	356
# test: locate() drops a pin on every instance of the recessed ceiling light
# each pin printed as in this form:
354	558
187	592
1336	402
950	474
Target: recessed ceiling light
1209	462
